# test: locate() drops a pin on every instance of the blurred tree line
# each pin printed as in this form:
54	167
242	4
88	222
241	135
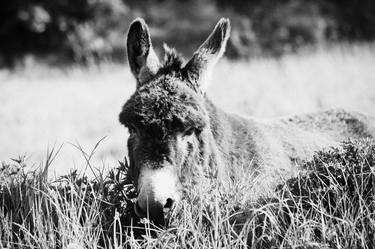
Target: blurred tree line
90	30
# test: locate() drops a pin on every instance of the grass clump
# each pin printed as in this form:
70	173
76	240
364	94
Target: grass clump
329	205
72	210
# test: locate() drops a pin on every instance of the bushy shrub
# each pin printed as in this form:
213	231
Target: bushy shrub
331	205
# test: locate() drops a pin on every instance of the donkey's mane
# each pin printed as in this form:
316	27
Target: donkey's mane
172	63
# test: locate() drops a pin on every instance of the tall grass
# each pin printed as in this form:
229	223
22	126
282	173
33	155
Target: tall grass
329	205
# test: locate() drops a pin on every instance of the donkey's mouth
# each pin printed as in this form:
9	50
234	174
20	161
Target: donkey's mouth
138	211
160	219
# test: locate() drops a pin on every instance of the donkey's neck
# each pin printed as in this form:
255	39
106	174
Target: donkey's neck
227	134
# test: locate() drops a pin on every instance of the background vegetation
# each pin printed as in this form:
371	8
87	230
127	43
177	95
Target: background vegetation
87	30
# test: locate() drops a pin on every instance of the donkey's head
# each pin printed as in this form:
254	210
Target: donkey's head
166	116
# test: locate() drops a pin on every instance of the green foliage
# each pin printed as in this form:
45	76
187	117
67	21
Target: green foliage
91	30
355	21
83	30
285	26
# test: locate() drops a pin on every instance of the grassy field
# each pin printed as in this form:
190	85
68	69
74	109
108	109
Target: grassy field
40	106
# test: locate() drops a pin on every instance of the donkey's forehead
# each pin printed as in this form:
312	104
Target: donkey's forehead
171	83
167	91
165	103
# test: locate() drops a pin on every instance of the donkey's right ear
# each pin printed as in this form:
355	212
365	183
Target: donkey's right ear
142	59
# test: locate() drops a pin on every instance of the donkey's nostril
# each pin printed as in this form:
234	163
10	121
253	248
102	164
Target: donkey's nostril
168	205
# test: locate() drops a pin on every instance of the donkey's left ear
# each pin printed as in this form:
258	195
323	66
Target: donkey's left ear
200	66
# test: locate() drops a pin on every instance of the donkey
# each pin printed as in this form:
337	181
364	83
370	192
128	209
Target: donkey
177	134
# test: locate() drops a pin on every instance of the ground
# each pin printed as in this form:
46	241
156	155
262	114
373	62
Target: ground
42	106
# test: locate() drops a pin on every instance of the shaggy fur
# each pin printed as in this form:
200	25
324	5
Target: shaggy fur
275	146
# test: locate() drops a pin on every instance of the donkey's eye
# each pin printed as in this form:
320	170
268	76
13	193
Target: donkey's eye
189	131
131	129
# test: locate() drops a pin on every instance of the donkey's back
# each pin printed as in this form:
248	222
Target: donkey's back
338	124
279	145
